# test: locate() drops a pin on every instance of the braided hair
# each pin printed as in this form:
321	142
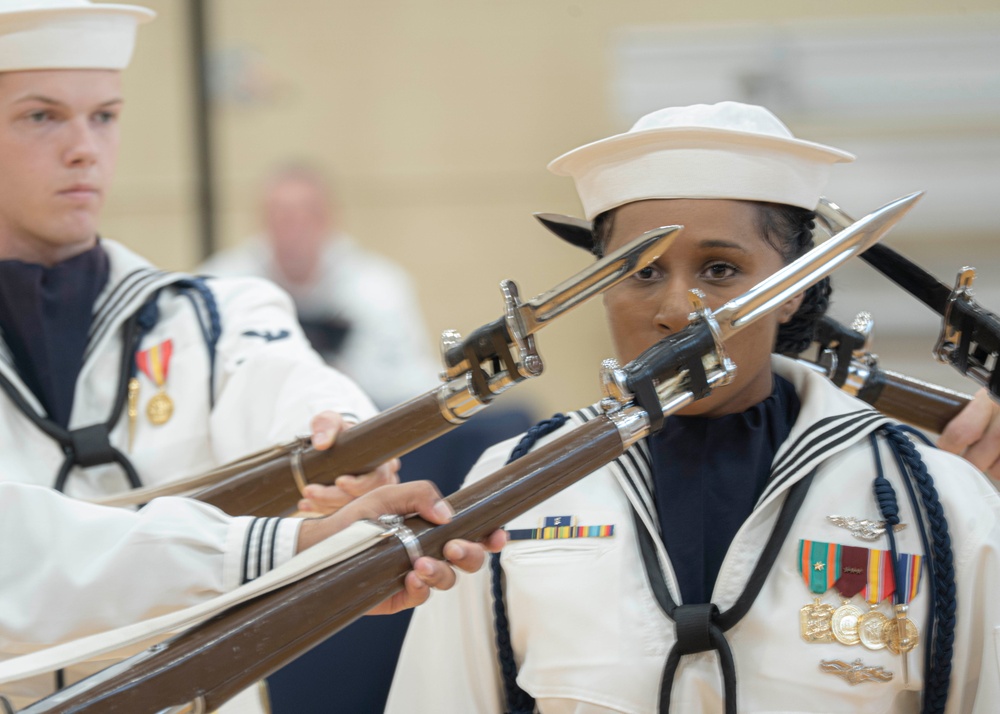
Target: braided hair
787	229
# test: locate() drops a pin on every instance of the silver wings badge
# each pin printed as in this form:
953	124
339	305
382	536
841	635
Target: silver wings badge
856	672
863	528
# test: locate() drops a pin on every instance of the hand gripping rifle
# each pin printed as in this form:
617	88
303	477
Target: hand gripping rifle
215	660
844	356
970	334
476	369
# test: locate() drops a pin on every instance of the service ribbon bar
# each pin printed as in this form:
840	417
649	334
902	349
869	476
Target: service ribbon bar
819	564
560	532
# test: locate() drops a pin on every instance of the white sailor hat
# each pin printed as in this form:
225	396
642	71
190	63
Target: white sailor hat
67	34
725	150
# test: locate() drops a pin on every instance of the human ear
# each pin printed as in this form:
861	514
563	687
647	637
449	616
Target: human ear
788	309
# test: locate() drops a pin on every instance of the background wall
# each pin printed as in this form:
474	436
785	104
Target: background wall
437	117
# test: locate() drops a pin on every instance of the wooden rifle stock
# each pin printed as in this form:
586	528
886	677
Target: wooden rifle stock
270	488
213	661
916	402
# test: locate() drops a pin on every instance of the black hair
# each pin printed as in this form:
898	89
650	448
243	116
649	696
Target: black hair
787	229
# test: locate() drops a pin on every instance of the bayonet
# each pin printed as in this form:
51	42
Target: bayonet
970	334
521	320
698	351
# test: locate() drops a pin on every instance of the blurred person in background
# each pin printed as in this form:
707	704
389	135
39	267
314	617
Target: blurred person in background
359	310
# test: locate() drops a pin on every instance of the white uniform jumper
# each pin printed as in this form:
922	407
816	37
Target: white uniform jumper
264	387
589	636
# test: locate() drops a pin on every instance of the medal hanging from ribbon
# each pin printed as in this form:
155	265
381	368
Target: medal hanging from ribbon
852	580
155	364
881	584
901	634
819	566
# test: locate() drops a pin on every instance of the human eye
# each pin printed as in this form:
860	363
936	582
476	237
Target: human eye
39	116
106	116
719	270
647	274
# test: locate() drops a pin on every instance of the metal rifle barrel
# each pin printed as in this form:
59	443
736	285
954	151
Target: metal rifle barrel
216	660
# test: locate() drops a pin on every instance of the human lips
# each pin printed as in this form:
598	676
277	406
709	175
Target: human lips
81	192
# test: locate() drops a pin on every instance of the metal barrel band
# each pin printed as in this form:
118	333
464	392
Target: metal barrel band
298	474
396	527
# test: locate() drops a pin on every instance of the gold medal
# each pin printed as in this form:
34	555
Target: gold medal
133	410
890	632
159	409
901	634
155	364
871	628
844	624
814	622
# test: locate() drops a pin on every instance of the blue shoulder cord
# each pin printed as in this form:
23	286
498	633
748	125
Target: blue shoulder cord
940	628
212	331
518	700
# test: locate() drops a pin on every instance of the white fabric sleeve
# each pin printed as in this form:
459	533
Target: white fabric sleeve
269	382
71	568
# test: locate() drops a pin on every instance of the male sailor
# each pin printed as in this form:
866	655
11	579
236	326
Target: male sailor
115	374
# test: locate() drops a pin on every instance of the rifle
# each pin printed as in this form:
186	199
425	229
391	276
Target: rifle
477	369
213	661
844	356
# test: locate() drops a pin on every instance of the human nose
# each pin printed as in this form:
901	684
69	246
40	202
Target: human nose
82	148
674	306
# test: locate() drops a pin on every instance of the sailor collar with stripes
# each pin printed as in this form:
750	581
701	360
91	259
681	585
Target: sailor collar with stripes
829	421
131	280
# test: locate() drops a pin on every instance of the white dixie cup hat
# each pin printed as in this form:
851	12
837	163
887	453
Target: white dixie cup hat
67	34
725	150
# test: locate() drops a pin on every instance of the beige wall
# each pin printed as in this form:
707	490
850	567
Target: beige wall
436	117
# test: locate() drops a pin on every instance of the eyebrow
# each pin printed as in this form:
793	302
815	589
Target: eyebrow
716	243
55	102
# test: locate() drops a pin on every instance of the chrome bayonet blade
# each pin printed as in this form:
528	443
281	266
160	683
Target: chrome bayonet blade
895	266
812	267
597	278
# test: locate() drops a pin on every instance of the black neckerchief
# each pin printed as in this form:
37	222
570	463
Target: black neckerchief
45	315
708	474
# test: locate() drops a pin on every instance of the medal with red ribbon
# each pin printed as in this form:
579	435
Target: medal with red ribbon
155	364
853	578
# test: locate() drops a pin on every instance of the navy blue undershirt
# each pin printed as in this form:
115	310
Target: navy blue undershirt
45	315
708	475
